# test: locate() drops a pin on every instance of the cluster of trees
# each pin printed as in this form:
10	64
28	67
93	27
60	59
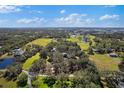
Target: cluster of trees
16	38
66	66
30	50
113	79
22	80
10	40
121	65
12	72
107	43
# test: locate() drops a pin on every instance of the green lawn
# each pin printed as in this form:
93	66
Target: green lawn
105	62
7	84
41	41
30	61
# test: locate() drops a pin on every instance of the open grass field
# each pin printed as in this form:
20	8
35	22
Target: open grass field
105	63
7	84
30	61
84	45
41	41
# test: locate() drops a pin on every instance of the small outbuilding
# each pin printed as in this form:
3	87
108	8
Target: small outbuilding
113	55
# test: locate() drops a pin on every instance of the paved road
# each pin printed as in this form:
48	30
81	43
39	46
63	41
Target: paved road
30	76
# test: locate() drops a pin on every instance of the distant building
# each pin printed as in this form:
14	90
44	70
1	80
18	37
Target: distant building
18	52
73	36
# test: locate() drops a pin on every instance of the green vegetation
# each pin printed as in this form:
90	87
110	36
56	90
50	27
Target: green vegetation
22	80
63	59
39	83
82	44
30	61
105	62
7	84
41	41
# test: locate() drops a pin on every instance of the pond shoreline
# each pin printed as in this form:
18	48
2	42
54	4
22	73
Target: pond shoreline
6	62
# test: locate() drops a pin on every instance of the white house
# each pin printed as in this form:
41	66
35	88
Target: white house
17	51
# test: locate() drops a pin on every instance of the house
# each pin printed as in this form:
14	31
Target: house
52	70
18	52
113	55
65	55
53	50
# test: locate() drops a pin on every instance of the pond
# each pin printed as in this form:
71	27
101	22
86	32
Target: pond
6	62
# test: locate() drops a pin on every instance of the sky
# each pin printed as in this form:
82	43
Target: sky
62	16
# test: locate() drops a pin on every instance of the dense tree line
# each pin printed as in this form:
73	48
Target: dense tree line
16	38
108	43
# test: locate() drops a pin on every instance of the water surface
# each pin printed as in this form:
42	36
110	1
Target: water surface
6	62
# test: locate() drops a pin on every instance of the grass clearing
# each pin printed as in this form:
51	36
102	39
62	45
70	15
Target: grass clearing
105	63
7	84
83	45
41	41
30	61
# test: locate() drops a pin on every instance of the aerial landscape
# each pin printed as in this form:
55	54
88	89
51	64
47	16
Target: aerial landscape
65	47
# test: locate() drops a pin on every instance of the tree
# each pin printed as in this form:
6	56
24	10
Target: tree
50	81
79	38
12	72
90	51
22	80
121	65
90	43
43	54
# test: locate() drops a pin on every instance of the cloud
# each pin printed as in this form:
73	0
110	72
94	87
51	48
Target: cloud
31	20
62	11
9	9
107	17
89	20
35	11
74	19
